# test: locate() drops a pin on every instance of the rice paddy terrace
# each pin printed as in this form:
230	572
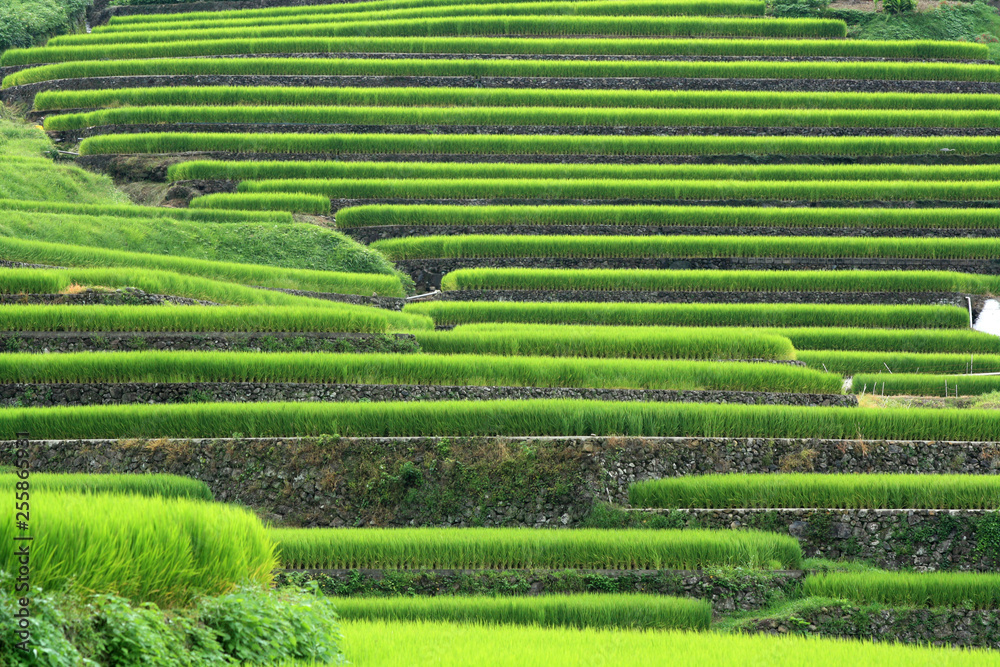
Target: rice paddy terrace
522	332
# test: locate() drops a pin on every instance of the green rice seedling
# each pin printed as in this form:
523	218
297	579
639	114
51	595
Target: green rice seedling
637	8
712	280
608	118
927	383
898	50
149	549
520	548
477	144
275	96
344	317
142	212
744	69
653	612
491	418
58	254
669	216
851	491
825	339
321	169
706	315
381	642
158	485
976	590
492	26
628	342
416	369
277	201
856	363
477	246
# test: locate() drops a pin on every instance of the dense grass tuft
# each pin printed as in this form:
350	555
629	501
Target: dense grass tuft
157	485
974	590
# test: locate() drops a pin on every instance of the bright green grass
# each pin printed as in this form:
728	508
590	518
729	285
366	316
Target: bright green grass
126	211
974	590
513	418
59	254
674	216
162	550
745	69
925	384
603	340
477	144
653	612
162	486
54	100
396	644
851	491
279	245
520	548
271	201
323	169
417	369
630	342
854	363
638	8
608	119
706	315
915	49
341	317
492	26
711	280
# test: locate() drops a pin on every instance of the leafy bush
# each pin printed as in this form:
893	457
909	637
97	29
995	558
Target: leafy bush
24	23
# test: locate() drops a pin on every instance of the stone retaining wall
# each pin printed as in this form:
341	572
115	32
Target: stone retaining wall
893	539
127	296
26	93
427	273
79	341
525	481
937	627
727	590
52	394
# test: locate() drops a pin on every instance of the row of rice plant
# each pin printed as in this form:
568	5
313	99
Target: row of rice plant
199	96
481	245
413	369
500	418
742	69
151	549
909	589
492	26
55	281
383	642
608	118
635	8
665	216
292	202
340	317
156	485
648	46
650	612
690	280
124	211
856	363
619	341
59	254
520	548
628	342
850	491
517	144
329	170
926	384
695	314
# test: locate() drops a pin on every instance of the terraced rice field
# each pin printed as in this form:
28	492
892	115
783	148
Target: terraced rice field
514	328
